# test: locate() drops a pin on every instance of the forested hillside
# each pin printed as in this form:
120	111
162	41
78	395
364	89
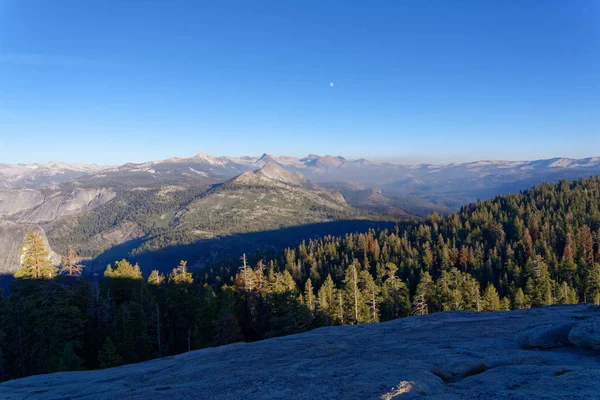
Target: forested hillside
523	250
153	218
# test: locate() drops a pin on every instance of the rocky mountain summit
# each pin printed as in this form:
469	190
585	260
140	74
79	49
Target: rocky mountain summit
271	174
268	198
540	353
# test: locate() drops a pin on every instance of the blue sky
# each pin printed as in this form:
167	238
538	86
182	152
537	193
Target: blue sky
413	81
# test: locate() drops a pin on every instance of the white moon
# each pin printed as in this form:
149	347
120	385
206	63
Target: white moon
330	84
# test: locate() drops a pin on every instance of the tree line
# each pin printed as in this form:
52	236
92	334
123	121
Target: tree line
534	248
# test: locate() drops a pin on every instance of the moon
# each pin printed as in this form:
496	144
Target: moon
330	84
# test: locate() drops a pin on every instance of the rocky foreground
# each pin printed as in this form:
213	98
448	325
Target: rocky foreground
543	353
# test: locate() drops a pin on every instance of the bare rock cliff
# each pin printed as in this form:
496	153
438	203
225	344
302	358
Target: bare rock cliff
24	210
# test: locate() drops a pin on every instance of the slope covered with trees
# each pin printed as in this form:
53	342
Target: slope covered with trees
529	249
150	219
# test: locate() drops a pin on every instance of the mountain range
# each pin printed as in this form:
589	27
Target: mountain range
150	207
315	167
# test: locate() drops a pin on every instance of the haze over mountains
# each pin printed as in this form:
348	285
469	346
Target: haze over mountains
152	206
396	177
35	175
392	188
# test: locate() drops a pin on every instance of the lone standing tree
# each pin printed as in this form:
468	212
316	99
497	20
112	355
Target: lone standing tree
35	259
70	264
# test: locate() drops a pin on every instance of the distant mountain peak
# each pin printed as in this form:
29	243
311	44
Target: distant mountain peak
265	159
310	157
273	176
57	165
270	174
362	161
208	159
326	161
275	172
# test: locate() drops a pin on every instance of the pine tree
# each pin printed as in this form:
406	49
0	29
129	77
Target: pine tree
108	356
156	278
340	307
35	259
353	294
371	295
70	264
227	325
394	295
471	293
180	275
490	300
565	294
539	286
123	270
449	289
519	300
69	361
246	279
593	284
309	296
427	289
505	304
327	300
287	282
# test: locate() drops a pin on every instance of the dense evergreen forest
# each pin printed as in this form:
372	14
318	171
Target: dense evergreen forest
523	250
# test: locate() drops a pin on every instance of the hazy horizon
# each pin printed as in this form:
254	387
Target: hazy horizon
375	159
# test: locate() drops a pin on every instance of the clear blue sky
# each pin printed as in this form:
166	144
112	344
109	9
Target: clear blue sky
115	81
